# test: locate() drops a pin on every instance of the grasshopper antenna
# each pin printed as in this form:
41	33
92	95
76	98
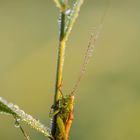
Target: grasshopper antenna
88	54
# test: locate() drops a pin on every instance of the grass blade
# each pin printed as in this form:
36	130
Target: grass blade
71	18
11	109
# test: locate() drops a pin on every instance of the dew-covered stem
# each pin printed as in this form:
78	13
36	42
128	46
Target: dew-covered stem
60	62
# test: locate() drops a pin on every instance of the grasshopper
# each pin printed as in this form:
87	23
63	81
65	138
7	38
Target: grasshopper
64	116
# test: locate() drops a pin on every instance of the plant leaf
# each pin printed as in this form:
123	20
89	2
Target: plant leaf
71	17
11	109
4	109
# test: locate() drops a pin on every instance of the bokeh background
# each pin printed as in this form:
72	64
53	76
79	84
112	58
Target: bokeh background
107	101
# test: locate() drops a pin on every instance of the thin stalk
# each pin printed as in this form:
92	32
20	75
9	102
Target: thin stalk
59	70
24	133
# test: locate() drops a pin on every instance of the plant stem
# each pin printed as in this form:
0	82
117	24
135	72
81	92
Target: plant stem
59	70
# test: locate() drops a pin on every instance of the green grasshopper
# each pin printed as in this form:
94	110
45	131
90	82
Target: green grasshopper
64	116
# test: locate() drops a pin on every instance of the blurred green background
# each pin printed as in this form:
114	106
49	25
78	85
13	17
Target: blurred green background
107	101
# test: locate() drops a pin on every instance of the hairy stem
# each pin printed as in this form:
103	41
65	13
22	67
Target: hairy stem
60	62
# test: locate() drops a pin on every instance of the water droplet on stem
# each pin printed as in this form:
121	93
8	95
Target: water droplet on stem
17	123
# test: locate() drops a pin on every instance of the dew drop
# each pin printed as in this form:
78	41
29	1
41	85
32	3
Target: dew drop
17	122
59	20
10	105
16	107
68	11
30	117
17	125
